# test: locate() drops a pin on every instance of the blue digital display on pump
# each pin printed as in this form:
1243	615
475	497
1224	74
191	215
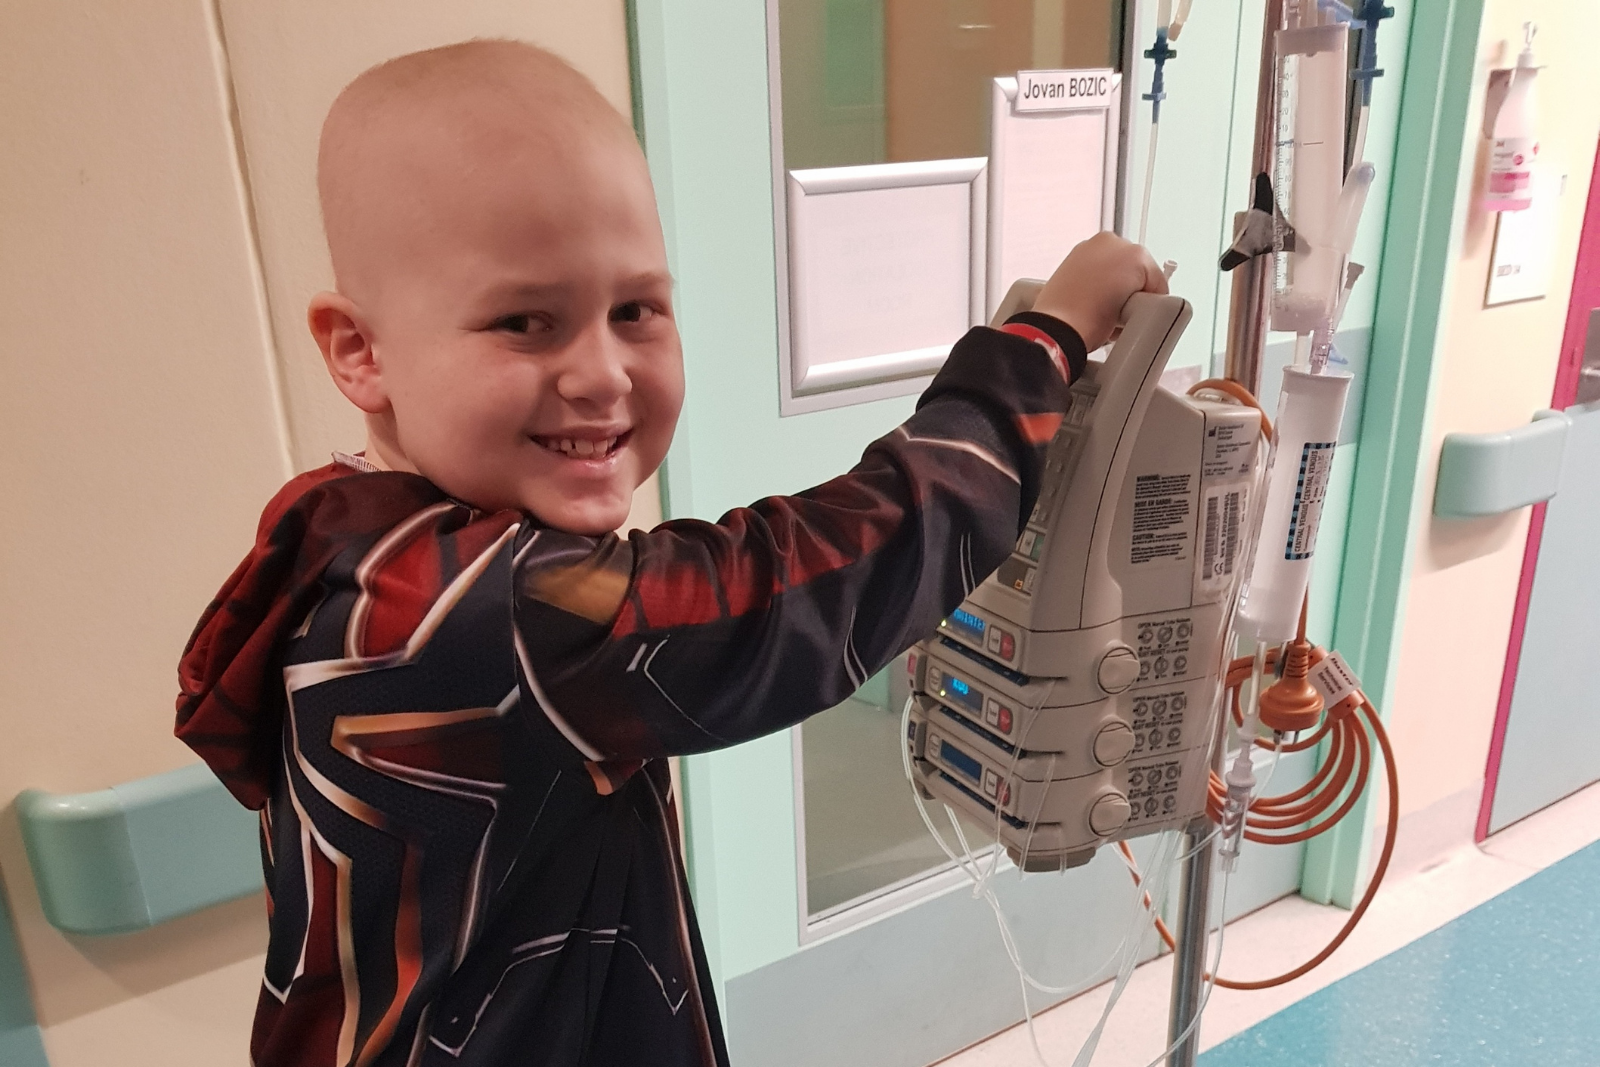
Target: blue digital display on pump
967	624
957	690
961	761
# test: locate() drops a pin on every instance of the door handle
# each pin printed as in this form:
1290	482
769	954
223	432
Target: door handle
1492	473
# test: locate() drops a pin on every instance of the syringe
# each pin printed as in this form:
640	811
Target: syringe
1346	218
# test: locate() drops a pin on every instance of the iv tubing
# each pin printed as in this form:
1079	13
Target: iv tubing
1210	980
1360	145
1127	947
1160	52
1149	181
1179	17
1343	773
1216	960
1347	712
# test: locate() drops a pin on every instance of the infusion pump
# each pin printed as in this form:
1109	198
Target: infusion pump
1069	700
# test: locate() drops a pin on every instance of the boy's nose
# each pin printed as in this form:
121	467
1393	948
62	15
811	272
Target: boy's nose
594	369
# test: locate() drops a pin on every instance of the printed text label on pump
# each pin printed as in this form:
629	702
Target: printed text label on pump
1064	90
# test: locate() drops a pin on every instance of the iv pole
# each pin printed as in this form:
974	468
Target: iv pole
1252	281
1247	335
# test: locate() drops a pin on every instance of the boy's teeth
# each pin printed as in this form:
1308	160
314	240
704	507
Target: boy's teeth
582	449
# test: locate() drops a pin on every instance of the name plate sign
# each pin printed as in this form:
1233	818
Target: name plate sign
1064	90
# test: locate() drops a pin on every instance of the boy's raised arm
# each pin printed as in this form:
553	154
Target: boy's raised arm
697	636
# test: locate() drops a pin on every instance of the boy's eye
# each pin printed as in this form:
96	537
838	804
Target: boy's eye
632	311
523	323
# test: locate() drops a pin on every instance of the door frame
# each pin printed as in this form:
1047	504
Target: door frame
1432	178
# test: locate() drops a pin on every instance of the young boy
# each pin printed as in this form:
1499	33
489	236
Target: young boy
449	689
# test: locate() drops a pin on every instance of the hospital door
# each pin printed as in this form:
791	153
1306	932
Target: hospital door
1546	743
838	930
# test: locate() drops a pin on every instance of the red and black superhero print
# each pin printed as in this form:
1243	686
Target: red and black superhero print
453	723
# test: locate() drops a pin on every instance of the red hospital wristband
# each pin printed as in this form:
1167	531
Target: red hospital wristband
1043	340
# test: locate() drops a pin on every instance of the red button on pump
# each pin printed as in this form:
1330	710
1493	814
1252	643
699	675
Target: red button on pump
1008	646
1005	719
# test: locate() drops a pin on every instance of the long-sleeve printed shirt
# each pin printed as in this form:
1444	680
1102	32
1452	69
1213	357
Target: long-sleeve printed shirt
453	723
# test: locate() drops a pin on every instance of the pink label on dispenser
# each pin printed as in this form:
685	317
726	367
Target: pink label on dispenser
1511	166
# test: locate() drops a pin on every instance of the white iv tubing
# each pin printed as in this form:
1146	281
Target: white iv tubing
1149	182
1128	948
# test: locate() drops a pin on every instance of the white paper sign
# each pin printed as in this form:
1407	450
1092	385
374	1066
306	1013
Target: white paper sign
1064	90
1052	178
1524	242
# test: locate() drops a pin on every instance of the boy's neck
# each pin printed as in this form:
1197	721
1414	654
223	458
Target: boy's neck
375	456
385	453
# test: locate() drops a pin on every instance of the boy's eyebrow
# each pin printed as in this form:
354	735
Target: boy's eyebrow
652	277
535	290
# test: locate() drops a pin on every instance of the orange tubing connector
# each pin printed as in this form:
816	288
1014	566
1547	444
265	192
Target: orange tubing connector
1292	704
1349	729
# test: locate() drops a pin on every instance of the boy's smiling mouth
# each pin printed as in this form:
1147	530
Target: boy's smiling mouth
582	446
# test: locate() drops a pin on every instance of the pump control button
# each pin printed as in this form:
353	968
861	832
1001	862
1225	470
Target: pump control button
1109	814
1119	668
1112	744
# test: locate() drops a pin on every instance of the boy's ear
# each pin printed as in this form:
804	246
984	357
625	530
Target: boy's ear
345	338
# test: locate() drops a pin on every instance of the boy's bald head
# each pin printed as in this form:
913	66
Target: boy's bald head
504	308
410	134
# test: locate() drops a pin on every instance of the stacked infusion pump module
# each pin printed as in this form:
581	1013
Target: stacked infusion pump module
1069	701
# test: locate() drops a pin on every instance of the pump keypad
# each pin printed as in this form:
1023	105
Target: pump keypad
1164	648
1153	789
1158	721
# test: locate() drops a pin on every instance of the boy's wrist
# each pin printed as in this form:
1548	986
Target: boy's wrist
1064	345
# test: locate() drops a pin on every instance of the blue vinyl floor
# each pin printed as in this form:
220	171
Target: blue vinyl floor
1514	982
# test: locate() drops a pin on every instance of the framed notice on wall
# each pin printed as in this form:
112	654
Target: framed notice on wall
1053	151
882	266
885	272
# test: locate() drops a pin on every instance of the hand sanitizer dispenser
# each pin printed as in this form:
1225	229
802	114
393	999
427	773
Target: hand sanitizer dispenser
1516	139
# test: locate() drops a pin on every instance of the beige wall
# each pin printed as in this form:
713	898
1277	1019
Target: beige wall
1495	367
156	385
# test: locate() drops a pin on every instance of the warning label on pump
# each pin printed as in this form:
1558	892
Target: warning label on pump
1316	463
1161	519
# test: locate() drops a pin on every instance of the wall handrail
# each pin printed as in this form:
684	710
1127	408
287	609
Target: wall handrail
138	854
1484	474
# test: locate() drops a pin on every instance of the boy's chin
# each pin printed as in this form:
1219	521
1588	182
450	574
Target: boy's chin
591	516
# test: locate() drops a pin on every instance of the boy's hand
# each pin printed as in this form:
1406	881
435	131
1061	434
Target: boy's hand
1089	288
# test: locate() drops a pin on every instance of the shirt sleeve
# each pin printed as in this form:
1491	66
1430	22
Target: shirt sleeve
697	635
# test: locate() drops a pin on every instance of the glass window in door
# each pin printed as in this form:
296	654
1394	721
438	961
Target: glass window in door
861	83
894	81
